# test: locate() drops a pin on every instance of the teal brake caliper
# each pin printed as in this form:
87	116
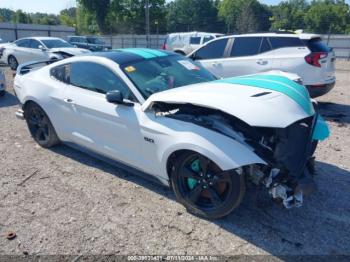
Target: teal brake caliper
196	168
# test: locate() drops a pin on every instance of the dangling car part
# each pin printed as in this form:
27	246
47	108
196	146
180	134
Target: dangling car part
161	114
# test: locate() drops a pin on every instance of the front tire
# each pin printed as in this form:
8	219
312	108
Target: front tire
13	63
203	188
40	126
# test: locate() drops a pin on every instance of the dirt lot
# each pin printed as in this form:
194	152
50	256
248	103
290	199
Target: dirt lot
61	201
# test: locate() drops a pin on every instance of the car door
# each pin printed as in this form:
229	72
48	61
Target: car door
212	55
108	129
36	53
21	50
247	55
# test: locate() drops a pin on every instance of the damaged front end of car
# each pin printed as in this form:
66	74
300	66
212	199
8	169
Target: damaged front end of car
288	152
272	116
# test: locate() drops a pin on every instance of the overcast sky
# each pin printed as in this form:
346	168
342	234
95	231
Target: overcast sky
55	6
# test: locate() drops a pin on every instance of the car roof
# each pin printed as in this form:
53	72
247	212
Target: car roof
302	36
41	38
81	36
131	55
194	33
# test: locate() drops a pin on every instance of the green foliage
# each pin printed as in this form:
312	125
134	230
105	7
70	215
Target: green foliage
320	16
68	17
20	17
86	22
188	15
328	16
244	16
98	8
238	16
289	15
6	15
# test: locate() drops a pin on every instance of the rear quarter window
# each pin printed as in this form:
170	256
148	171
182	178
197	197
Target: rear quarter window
280	42
61	73
195	40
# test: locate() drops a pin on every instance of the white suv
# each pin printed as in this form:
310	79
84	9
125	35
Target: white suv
302	54
185	43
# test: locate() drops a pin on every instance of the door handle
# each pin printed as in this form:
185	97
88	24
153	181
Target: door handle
68	100
262	62
216	63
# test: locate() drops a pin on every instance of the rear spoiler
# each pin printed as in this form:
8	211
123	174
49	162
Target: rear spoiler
32	66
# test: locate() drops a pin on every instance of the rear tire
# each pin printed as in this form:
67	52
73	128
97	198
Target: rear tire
13	63
203	188
40	126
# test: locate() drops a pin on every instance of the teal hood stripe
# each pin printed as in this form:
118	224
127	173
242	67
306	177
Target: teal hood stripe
144	52
139	52
154	52
296	92
321	130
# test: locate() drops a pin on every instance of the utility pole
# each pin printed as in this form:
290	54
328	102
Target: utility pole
147	22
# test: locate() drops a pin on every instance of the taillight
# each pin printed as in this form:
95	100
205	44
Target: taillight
314	58
164	46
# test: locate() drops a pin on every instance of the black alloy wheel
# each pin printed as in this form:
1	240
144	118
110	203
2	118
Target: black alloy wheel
40	126
13	63
204	189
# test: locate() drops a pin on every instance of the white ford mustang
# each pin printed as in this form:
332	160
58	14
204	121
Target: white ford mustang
159	113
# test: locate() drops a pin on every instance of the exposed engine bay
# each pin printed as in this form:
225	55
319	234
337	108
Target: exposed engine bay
287	151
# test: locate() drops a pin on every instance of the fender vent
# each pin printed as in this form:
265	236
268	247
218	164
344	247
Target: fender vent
261	94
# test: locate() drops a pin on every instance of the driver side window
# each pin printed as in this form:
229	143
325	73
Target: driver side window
97	78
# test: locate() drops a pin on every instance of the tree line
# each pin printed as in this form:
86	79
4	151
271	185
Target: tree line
221	16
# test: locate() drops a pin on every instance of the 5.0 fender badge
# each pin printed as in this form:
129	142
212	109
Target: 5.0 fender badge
150	140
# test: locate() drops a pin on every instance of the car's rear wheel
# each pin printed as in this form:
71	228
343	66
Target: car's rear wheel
40	126
13	63
203	188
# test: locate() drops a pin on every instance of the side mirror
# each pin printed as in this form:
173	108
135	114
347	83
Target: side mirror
42	48
115	97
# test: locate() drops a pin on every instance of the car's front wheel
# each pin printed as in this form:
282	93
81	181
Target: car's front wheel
40	126
13	63
203	188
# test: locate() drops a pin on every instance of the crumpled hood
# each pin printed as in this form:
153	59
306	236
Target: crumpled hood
258	100
70	50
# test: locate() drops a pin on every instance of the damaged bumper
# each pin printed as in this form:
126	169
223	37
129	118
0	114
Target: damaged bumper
289	175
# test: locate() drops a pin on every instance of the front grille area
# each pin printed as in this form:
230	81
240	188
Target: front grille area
294	148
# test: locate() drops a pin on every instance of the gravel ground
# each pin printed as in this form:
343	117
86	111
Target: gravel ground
61	201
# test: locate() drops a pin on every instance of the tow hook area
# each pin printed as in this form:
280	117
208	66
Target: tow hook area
20	114
284	193
290	197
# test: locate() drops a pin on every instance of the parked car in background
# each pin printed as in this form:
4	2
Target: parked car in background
303	54
91	43
2	82
38	49
160	113
185	43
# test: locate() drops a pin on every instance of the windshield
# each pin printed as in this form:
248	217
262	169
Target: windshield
162	73
94	40
55	43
